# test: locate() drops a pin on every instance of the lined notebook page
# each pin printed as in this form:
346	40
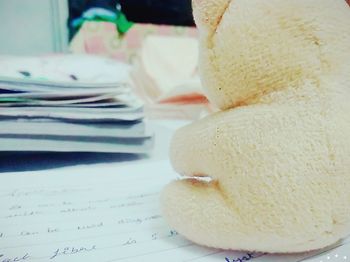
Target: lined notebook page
104	213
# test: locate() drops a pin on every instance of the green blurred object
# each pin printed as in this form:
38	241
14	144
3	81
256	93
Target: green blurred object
14	99
103	15
123	25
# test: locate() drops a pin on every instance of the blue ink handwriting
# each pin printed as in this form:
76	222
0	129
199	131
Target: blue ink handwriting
71	251
247	257
15	259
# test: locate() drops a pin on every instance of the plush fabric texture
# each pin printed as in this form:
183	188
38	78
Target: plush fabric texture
278	152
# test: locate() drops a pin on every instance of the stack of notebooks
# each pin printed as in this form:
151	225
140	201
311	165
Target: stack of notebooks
56	116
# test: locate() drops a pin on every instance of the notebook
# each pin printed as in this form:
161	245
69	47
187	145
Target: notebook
106	213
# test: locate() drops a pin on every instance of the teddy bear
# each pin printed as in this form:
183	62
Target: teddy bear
270	171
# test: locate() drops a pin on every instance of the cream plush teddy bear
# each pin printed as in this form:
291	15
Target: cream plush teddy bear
278	152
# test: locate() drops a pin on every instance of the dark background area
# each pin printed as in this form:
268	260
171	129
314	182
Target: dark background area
173	12
168	12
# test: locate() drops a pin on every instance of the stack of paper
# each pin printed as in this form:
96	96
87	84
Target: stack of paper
70	116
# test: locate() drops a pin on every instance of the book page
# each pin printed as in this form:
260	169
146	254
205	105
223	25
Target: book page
104	213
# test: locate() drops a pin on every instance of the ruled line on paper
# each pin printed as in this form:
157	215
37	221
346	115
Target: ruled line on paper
150	253
99	201
201	257
325	251
37	211
95	248
93	210
34	189
82	238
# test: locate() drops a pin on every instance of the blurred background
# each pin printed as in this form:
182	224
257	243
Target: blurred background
42	26
143	34
81	76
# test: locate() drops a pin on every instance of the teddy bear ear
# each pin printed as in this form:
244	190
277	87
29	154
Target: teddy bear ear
208	13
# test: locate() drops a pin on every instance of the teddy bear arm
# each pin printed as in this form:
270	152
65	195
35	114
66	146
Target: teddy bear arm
199	211
193	149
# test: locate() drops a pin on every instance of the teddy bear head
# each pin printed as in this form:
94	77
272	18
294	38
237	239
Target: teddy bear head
249	49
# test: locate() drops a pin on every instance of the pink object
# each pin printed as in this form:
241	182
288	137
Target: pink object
110	27
95	45
103	38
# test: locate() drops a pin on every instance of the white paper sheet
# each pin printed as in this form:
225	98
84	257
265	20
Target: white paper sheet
70	115
91	69
65	110
55	128
105	213
68	94
76	144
